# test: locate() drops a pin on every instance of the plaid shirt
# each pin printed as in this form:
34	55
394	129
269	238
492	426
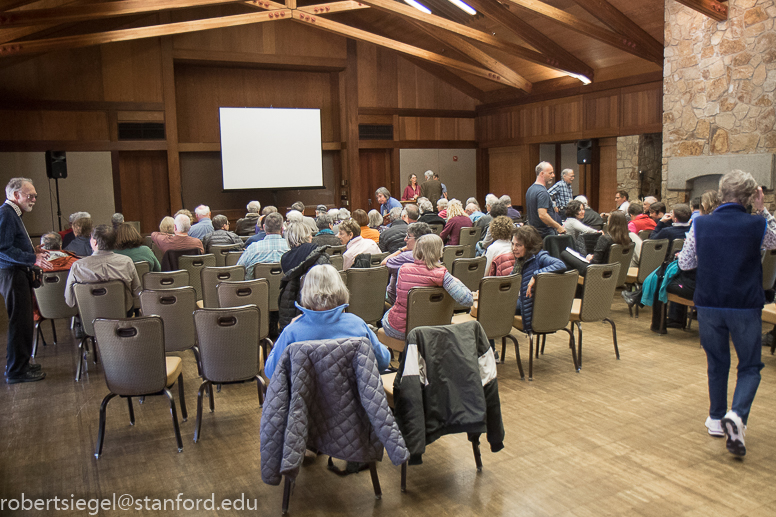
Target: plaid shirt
268	250
561	194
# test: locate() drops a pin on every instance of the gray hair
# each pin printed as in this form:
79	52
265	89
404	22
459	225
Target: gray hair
15	185
323	222
418	230
167	225
78	215
117	219
253	207
472	200
425	206
269	209
384	191
541	167
650	199
294	216
737	186
105	237
51	241
506	200
566	172
323	289
344	214
297	234
442	203
202	210
375	219
220	221
298	205
411	211
273	222
471	208
182	223
428	174
429	249
581	199
490	199
396	213
333	213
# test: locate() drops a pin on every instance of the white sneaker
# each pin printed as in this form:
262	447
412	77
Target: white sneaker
734	430
715	427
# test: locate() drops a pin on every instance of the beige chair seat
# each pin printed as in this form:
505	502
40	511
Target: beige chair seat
174	368
393	344
769	314
576	309
462	318
200	304
633	275
388	379
518	322
581	280
682	301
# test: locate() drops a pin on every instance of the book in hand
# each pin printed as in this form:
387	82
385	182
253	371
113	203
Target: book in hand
578	255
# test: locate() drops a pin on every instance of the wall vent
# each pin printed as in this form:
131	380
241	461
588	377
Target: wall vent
375	132
141	131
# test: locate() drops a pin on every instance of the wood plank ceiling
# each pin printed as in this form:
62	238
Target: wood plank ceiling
508	49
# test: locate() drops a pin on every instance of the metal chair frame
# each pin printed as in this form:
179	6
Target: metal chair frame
50	297
599	281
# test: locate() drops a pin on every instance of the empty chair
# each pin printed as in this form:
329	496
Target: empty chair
148	241
644	234
229	351
100	300
437	228
220	251
274	274
376	258
194	264
50	297
134	224
426	306
142	267
676	246
158	253
232	258
248	292
653	253
337	261
450	253
175	307
469	236
469	271
135	366
165	279
211	276
367	292
596	302
555	244
553	295
170	259
622	256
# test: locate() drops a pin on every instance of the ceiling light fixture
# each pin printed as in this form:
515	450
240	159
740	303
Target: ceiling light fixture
418	6
463	6
581	77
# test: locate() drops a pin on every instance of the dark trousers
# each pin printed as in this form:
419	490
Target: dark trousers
17	292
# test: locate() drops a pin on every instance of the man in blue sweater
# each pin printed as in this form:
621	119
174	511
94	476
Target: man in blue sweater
17	256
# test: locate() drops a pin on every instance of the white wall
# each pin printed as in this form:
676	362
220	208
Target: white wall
568	160
457	169
88	187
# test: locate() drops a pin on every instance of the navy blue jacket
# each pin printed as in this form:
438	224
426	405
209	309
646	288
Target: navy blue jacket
15	246
729	274
663	231
542	262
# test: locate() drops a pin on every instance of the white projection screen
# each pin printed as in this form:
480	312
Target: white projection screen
271	148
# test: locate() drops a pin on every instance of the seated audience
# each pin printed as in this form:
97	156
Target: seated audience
260	233
673	225
473	211
221	236
81	245
180	239
130	244
442	208
56	259
167	225
501	229
427	214
350	235
117	220
363	221
68	235
497	209
402	256
309	221
103	265
639	221
323	300
617	233
456	219
592	218
656	211
392	238
325	235
268	250
512	213
204	225
647	203
376	220
485	220
425	271
385	201
247	225
575	213
185	212
412	190
695	205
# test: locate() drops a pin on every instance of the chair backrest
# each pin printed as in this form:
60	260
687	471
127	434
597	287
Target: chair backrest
469	271
100	300
553	295
170	259
450	253
376	258
211	276
228	343
437	228
274	274
769	269
51	296
194	264
676	245
469	236
248	292
232	257
336	250
653	253
338	261
496	304
644	234
220	251
157	250
555	244
622	256
343	276
142	267
132	354
246	237
165	279
175	307
148	241
135	225
600	284
367	292
428	306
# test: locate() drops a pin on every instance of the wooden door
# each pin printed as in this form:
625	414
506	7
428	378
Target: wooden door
375	171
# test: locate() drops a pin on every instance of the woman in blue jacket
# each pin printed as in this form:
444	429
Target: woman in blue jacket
530	260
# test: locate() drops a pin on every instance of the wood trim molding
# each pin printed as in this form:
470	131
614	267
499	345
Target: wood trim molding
79	145
412	112
51	105
417	144
202	147
711	8
263	61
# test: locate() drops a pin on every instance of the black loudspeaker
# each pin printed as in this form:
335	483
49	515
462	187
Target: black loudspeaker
584	151
56	164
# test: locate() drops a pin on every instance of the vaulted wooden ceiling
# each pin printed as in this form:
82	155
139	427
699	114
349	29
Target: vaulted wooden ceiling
508	48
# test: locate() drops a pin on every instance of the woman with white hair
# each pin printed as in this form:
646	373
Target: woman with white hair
729	298
375	220
247	225
323	301
456	219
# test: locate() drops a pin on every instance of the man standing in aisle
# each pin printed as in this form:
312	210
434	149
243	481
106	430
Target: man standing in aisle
561	192
431	188
539	203
17	256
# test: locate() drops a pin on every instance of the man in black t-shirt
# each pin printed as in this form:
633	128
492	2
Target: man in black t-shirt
539	203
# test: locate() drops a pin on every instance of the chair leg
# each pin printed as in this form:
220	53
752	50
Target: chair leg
544	342
174	414
198	425
579	343
182	397
375	480
95	358
262	387
530	355
517	354
81	359
35	340
101	432
195	349
503	349
614	337
477	455
404	477
54	331
210	396
131	411
573	349
286	494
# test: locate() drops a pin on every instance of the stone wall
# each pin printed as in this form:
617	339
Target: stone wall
638	165
628	165
719	83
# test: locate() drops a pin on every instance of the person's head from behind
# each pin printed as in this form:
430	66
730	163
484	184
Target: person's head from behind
202	212
167	225
425	206
51	241
454	209
375	219
269	210
361	218
410	213
253	207
320	209
695	203
737	186
428	249
127	237
294	216
348	230
298	234
103	237
489	200
324	222
441	204
395	213
657	210
323	289
221	222
647	203
583	200
501	228
185	212
618	228
526	242
506	200
682	213
472	208
635	209
428	175
498	209
575	210
709	202
298	206
414	232
82	227
472	200
182	224
343	215
273	223
117	219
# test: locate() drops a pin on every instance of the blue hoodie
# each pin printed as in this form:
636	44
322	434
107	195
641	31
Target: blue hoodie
331	324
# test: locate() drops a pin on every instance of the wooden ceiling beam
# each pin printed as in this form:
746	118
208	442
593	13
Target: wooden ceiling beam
512	22
610	16
101	38
358	34
333	7
576	67
6	5
77	13
264	4
711	8
451	78
587	29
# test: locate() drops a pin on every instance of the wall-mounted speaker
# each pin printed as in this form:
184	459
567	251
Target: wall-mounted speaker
56	164
584	151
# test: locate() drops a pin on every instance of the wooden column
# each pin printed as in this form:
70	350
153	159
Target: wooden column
350	105
171	126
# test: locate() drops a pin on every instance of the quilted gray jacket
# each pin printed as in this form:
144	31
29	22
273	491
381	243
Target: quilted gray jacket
327	396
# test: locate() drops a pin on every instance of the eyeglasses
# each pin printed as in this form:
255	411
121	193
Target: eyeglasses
30	197
408	237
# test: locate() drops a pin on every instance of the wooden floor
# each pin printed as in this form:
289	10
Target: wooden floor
620	438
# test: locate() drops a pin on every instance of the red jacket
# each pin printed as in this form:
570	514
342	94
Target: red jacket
641	222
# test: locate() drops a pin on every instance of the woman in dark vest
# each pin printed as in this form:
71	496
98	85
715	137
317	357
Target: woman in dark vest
725	248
